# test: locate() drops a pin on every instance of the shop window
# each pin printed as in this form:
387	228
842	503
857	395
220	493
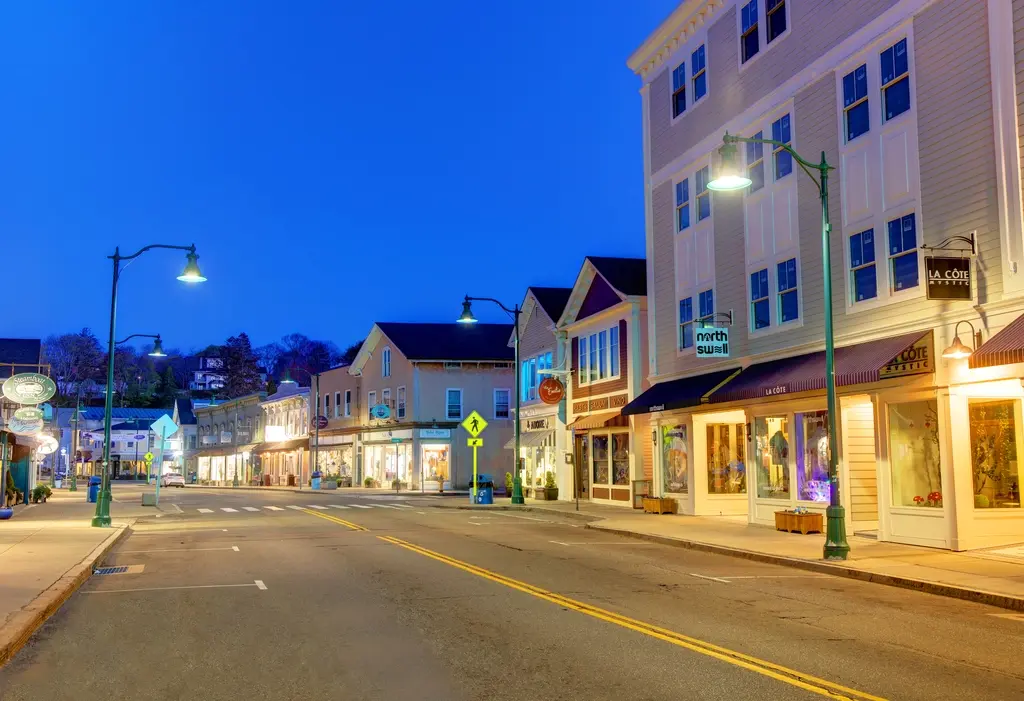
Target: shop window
782	158
812	456
995	433
856	114
903	267
698	66
686	323
862	265
599	455
771	443
679	90
434	459
914	454
501	404
760	312
895	80
620	459
683	204
755	163
675	459
726	448
789	307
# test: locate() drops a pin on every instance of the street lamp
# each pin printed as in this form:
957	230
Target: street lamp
467	318
189	274
730	178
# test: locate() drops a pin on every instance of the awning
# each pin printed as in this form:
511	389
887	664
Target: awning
1004	348
678	394
224	450
899	356
529	439
293	444
595	420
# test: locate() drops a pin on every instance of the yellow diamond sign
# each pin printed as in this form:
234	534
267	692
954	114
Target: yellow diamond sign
474	424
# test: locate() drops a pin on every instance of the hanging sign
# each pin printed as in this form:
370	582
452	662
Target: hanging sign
48	445
711	342
948	278
29	388
28	413
25	428
380	411
551	391
319	422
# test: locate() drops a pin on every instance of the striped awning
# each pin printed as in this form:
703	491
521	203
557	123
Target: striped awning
1005	348
530	439
608	418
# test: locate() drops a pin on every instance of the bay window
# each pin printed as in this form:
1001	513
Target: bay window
599	356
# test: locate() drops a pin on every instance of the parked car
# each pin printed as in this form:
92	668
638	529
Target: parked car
172	479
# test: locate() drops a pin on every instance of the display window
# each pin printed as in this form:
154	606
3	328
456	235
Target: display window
914	454
726	459
435	461
385	463
599	455
771	443
812	456
620	459
995	428
675	459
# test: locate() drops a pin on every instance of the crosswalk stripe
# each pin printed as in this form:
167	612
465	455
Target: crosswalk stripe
383	506
404	506
273	508
317	506
250	508
205	511
337	506
297	508
361	506
229	509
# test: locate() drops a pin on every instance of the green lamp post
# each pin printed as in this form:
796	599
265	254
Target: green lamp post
189	274
468	318
730	178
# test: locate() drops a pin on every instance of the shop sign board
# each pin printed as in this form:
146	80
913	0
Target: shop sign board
48	445
474	424
29	388
380	411
541	424
551	391
435	433
711	342
25	428
320	422
28	413
915	360
948	278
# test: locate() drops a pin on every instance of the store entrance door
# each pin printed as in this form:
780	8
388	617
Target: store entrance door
581	460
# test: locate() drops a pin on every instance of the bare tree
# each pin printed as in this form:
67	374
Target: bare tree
73	358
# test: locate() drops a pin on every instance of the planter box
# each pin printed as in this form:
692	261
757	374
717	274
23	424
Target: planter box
798	523
545	493
659	505
328	484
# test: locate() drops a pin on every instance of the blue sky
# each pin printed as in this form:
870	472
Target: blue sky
335	163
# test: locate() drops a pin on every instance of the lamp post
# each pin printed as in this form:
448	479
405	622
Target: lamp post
189	274
75	419
730	178
468	318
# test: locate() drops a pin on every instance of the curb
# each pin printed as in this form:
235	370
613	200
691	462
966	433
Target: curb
952	591
20	626
589	518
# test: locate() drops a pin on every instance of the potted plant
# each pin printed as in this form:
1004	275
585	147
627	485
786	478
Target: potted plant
659	505
550	486
345	481
40	493
508	483
368	482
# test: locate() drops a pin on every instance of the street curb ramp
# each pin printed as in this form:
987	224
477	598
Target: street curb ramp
20	626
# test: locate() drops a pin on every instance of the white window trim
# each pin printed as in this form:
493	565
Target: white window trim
608	356
495	404
697	226
462	408
684	53
337	404
878	218
385	397
401	402
762	32
371	399
348	402
385	362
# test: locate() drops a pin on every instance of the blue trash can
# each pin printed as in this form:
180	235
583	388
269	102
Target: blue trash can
316	479
484	489
94	489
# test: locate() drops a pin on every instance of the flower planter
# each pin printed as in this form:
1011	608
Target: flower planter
793	522
5	513
659	505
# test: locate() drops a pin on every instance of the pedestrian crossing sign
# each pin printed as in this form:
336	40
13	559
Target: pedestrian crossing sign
474	424
475	442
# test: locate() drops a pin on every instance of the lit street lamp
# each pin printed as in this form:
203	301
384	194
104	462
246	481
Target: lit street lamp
730	178
189	274
468	318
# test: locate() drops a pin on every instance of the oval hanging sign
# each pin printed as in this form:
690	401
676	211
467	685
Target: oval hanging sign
28	413
21	427
48	445
29	388
380	411
550	390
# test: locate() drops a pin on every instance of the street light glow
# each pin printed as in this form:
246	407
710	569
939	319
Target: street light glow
191	272
957	350
729	176
158	349
467	313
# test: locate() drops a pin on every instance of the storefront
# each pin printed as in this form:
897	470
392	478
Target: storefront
538	451
435	459
283	463
387	456
603	457
337	458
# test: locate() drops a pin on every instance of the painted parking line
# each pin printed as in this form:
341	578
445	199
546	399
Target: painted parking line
337	506
713	579
316	506
176	550
273	508
205	511
229	509
257	583
250	508
360	506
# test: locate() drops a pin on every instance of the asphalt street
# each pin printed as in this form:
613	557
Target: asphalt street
277	595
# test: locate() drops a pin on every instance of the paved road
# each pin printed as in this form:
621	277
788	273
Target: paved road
392	600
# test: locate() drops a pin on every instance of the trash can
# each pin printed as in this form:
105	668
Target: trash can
484	489
94	489
316	479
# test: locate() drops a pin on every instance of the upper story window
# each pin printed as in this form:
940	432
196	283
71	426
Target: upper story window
755	163
679	90
453	404
371	399
400	411
337	404
761	23
895	71
683	204
706	305
783	160
760	310
789	304
502	401
583	371
775	18
749	40
599	356
531	375
686	323
385	363
348	402
699	69
385	398
856	111
703	194
903	265
327	404
862	266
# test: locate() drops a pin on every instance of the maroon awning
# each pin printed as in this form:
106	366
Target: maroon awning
908	354
1004	348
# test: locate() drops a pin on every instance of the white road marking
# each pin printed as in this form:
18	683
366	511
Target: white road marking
383	506
273	508
422	512
250	508
235	548
317	506
205	511
177	508
713	579
775	576
190	586
260	585
600	542
474	523
360	506
527	518
337	506
160	531
229	509
293	506
404	506
175	550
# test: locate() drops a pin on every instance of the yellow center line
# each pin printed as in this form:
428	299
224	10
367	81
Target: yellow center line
335	519
786	675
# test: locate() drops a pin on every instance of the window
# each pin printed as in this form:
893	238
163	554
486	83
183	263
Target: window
789	307
782	158
706	305
453	365
337	404
327	404
895	80
775	19
683	204
703	194
131	444
385	398
903	267
613	350
602	354
371	400
856	115
749	45
760	313
812	456
862	265
385	363
686	323
679	90
502	399
599	455
533	379
595	373
698	66
726	446
755	163
771	443
453	404
914	454
675	459
401	402
596	355
620	459
995	434
348	402
584	362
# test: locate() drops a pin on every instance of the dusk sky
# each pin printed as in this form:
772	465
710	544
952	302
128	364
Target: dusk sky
335	163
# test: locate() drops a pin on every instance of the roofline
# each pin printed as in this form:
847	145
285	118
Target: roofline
684	21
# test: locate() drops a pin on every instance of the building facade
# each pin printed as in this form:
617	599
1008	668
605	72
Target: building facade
206	373
282	458
924	141
334	447
227	435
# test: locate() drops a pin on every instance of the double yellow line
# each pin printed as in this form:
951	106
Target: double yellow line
335	519
786	675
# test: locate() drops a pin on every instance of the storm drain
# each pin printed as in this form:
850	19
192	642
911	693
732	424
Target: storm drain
121	569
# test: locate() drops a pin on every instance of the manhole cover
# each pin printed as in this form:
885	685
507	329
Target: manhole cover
121	569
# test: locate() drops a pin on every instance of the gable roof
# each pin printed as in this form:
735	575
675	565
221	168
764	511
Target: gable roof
451	341
95	413
285	390
185	413
133	425
552	299
627	275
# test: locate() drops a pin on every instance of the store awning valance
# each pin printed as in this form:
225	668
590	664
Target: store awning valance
217	451
1005	348
607	418
530	439
678	394
293	444
884	358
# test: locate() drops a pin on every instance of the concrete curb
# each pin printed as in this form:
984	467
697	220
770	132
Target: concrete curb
979	596
19	627
536	509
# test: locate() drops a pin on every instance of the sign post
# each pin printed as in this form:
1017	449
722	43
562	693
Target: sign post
163	427
474	425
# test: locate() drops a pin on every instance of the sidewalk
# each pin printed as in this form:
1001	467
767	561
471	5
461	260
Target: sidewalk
46	552
329	492
994	576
